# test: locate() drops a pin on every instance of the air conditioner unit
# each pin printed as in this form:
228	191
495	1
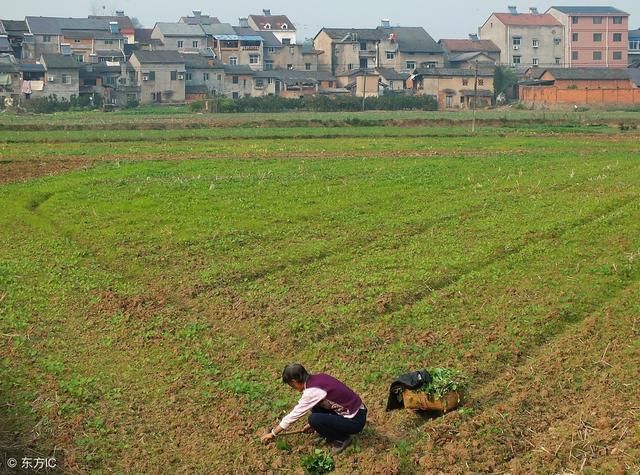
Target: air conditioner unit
181	76
516	47
51	79
145	78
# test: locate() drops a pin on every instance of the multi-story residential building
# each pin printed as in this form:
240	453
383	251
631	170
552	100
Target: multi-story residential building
405	48
86	38
204	76
594	36
279	25
298	57
161	76
125	25
238	81
179	37
401	48
291	83
199	19
464	53
235	45
634	47
526	39
62	77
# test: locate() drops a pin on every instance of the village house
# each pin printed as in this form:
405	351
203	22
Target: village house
580	86
238	81
116	82
179	37
9	80
291	83
454	88
461	53
87	39
634	47
594	36
298	57
401	48
235	49
526	39
59	76
161	76
204	76
391	80
279	25
15	32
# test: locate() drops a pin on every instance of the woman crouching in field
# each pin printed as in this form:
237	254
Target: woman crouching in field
337	412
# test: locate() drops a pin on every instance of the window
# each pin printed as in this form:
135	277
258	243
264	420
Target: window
574	37
46	39
349	66
465	82
480	82
189	77
267	26
575	19
151	76
79	58
268	65
286	41
634	45
76	41
219	77
285	26
307	66
516	59
617	55
517	40
558	60
271	49
617	20
110	80
254	59
391	55
235	80
205	76
597	20
244	83
235	95
363	46
535	43
259	82
536	61
233	60
194	43
574	55
597	37
180	44
411	65
597	55
617	37
66	79
174	75
108	42
270	81
449	102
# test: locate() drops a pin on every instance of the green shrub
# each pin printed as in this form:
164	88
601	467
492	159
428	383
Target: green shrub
318	463
197	106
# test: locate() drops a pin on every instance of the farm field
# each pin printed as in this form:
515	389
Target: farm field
154	281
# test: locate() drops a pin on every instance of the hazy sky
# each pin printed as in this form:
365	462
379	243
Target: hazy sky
442	19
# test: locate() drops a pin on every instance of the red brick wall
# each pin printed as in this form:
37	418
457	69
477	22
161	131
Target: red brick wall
553	95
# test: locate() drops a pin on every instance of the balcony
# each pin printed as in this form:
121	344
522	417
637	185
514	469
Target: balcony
368	53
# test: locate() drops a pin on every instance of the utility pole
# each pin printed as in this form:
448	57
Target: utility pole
475	100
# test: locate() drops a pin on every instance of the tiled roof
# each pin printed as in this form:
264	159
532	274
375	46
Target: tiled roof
634	73
238	69
292	76
590	10
92	34
199	20
349	35
180	29
5	47
39	25
31	67
158	57
276	22
527	19
412	39
588	74
59	61
391	74
219	29
124	22
15	26
199	61
8	64
468	46
462	57
143	35
455	72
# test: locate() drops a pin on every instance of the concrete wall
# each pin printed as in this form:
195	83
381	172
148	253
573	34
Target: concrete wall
243	88
214	83
293	55
172	91
57	87
324	43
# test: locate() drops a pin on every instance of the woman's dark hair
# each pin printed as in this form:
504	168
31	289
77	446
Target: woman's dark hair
294	372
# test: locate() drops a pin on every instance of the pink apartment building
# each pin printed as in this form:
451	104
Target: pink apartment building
595	36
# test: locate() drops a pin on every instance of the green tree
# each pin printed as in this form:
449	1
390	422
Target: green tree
503	81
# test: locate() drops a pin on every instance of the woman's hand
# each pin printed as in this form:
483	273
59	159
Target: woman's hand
268	437
308	429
